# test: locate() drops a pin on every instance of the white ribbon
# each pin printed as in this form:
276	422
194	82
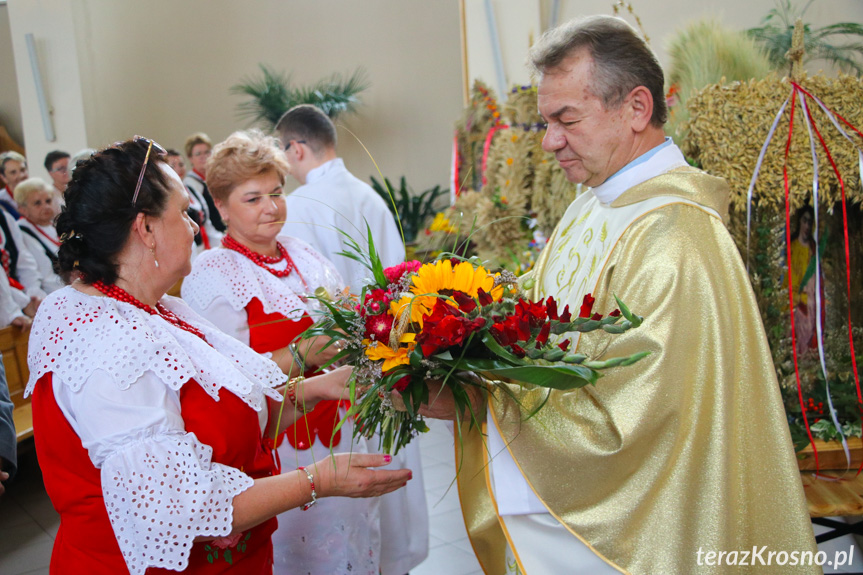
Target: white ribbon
757	170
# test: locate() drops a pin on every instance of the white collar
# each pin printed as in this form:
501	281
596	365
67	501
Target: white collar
331	166
666	159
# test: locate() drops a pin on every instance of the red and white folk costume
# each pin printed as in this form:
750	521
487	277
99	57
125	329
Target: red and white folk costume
129	414
258	303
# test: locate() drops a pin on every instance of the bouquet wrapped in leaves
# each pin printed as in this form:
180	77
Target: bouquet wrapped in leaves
434	322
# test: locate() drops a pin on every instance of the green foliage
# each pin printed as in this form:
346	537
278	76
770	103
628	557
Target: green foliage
704	53
272	94
777	28
411	209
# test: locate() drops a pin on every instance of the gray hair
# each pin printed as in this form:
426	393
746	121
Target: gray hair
25	189
622	61
10	156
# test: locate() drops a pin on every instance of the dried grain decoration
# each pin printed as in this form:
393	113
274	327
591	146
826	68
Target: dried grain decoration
729	124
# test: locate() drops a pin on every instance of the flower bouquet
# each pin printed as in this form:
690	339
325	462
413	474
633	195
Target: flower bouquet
433	322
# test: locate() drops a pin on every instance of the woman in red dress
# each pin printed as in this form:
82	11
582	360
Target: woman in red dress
149	422
256	289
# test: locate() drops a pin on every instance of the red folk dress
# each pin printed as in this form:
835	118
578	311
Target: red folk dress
339	535
129	418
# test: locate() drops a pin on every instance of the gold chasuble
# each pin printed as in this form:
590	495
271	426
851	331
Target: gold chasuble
686	451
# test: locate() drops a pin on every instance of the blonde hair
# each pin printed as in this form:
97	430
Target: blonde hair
27	187
194	140
241	157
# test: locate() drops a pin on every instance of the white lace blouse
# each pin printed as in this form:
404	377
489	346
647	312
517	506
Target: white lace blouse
223	282
117	372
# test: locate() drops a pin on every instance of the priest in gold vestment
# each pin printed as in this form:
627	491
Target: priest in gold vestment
680	464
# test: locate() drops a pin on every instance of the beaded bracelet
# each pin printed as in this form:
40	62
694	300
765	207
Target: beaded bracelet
291	392
314	493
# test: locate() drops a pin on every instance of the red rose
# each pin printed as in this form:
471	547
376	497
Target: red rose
402	384
395	273
586	306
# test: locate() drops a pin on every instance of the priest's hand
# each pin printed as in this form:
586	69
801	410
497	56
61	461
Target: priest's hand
442	404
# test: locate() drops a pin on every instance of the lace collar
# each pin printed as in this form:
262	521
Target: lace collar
75	334
228	274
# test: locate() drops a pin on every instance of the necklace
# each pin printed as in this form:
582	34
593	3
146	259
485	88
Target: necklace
120	294
262	260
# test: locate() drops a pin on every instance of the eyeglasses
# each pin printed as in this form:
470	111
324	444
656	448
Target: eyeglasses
159	150
60	170
292	141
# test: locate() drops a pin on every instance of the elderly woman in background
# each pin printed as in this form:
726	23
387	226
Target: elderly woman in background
198	148
132	392
255	288
37	204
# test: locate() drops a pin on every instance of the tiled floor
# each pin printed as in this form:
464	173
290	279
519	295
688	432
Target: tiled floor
28	523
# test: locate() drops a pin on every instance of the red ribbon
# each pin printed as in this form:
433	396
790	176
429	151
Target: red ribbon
487	147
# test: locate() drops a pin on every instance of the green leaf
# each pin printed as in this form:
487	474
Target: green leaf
229	557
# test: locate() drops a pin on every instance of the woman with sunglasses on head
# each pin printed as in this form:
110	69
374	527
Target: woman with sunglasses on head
256	289
149	422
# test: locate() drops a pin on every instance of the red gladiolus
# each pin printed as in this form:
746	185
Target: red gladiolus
564	345
551	308
542	338
395	273
566	317
517	350
596	316
484	298
615	313
533	313
465	303
586	306
446	327
402	384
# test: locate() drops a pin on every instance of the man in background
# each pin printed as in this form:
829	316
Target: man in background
8	438
57	164
331	200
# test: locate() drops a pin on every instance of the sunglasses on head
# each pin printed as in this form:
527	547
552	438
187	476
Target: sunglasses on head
150	145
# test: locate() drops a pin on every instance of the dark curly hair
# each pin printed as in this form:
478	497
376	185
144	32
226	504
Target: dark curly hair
97	218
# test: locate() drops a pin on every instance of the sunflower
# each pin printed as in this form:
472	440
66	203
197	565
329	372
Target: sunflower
444	278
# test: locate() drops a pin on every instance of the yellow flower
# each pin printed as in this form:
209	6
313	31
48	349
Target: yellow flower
441	223
377	351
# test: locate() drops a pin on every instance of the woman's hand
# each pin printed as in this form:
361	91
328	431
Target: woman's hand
351	475
330	385
313	353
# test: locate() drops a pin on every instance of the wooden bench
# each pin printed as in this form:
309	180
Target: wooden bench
13	345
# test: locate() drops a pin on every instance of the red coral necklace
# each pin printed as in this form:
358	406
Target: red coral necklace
120	294
261	260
